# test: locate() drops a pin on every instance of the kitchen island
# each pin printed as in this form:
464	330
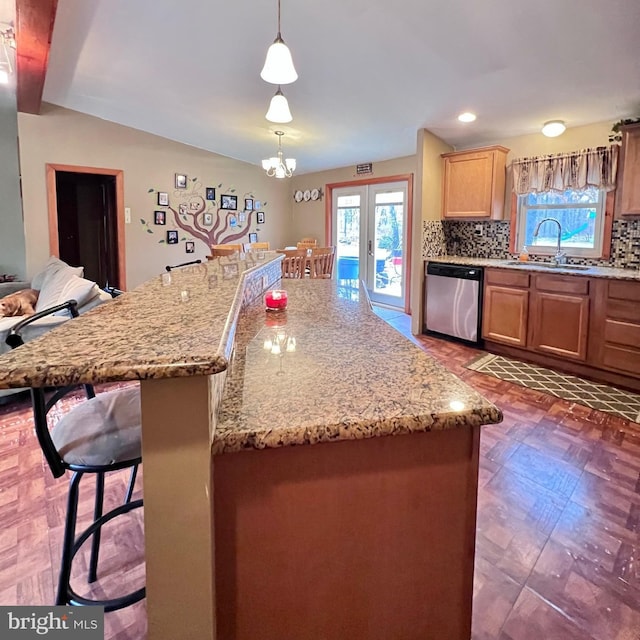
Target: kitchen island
307	474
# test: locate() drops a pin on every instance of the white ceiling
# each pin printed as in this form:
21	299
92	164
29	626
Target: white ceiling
370	73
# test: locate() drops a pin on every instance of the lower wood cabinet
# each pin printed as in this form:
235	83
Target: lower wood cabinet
506	307
615	340
559	324
588	326
559	315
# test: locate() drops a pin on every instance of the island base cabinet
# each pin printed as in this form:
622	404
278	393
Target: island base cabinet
361	539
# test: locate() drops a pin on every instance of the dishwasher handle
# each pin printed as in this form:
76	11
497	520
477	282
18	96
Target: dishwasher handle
454	271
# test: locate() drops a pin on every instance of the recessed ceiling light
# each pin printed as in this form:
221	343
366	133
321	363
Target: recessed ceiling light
553	128
467	116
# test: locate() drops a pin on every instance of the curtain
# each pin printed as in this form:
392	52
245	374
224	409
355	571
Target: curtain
575	170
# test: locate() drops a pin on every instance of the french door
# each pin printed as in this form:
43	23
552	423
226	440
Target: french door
369	231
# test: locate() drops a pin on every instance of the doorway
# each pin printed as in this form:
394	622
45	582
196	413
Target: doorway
86	221
370	228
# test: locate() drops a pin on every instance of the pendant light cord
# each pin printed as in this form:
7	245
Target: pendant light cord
279	37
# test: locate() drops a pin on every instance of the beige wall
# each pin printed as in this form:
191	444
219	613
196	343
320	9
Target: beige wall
536	144
308	218
62	136
12	249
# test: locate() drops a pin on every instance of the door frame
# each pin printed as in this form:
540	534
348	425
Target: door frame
52	205
328	217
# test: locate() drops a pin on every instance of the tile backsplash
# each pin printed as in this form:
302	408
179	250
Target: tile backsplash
454	237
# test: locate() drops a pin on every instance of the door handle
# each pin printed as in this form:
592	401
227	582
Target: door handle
370	248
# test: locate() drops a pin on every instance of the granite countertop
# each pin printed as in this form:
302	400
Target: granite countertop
531	265
351	376
176	324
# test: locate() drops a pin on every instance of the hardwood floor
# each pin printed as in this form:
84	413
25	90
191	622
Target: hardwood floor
558	535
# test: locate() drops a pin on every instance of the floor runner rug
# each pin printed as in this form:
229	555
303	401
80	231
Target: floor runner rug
561	385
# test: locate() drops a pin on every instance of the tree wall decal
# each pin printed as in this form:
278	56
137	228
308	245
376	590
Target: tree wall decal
205	220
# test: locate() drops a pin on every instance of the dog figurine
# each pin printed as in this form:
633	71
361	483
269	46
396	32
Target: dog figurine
20	303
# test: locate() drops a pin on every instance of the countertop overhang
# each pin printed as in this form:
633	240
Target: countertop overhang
532	265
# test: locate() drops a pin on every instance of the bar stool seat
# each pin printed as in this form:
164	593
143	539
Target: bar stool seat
102	431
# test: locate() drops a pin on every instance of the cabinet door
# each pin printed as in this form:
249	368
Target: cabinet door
630	172
505	315
468	180
559	324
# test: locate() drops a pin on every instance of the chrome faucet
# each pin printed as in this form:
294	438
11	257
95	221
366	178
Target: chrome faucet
560	257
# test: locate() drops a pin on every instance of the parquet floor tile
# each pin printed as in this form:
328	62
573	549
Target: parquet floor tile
558	529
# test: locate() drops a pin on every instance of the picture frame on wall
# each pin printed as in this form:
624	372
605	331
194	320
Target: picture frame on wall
163	199
181	181
229	202
211	193
172	236
182	208
253	237
248	204
159	217
260	217
208	219
190	246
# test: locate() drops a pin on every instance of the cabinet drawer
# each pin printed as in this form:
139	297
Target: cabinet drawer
624	333
623	310
621	359
506	278
562	284
624	290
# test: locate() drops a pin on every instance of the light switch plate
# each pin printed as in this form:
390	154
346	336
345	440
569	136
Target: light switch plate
479	230
127	215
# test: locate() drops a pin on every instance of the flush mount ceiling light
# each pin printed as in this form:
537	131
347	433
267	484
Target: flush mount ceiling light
467	116
7	42
279	109
276	166
278	65
553	128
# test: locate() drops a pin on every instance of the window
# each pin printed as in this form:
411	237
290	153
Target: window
581	214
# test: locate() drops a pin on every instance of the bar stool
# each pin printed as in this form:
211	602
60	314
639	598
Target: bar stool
100	435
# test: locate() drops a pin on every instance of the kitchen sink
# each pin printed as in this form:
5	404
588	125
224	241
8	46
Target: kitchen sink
549	265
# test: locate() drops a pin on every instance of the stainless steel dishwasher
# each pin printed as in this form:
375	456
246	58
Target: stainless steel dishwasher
453	301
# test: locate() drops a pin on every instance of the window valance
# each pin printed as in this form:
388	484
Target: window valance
595	167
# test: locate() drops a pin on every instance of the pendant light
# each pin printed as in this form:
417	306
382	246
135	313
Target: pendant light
278	65
279	109
276	166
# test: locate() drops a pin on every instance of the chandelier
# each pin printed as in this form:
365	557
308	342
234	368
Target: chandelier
278	65
276	166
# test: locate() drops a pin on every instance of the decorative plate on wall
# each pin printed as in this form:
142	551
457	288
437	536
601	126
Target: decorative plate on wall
297	196
315	194
307	195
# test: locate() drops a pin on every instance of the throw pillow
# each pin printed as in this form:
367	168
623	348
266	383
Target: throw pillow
53	264
54	283
78	289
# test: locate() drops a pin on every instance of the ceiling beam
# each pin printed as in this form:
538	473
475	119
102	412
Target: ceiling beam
34	28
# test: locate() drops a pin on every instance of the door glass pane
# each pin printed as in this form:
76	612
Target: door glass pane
348	238
389	215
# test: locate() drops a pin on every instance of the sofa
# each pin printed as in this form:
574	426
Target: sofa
56	283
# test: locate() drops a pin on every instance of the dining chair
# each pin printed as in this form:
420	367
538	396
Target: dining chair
294	263
307	243
321	262
218	250
260	246
97	436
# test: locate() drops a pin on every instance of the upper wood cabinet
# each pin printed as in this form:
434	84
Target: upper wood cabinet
629	173
474	183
